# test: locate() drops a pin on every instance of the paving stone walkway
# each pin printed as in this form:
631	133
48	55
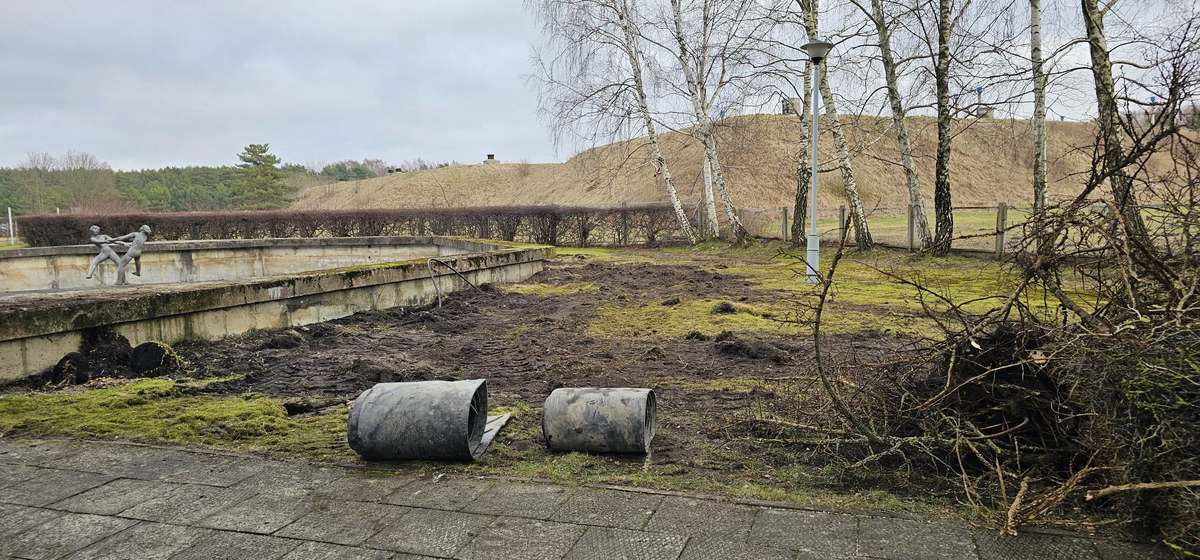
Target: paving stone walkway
111	501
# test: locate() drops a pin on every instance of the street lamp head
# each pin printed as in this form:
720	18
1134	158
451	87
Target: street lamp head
817	49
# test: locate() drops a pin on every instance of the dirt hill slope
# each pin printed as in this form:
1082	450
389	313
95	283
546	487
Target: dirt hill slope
992	163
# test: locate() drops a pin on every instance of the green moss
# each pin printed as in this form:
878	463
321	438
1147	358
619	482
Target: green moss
158	410
654	320
551	290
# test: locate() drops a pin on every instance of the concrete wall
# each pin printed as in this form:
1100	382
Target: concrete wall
63	268
37	330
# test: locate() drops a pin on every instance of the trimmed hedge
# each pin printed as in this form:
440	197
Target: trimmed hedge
551	225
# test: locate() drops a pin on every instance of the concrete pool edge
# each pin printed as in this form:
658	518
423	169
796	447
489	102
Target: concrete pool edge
36	333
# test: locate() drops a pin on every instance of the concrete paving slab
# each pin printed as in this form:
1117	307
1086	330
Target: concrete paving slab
447	493
608	508
263	514
326	551
51	485
536	501
347	523
1032	546
512	538
62	535
12	474
15	519
604	543
363	487
814	535
224	545
689	516
903	539
115	496
144	541
288	479
430	532
709	548
187	504
216	470
35	452
1125	551
126	461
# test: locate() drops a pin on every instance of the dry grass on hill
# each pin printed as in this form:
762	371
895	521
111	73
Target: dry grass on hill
992	163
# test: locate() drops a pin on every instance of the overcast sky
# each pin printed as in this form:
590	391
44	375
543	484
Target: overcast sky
154	83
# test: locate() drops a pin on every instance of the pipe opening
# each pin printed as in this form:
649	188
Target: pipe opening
477	420
648	433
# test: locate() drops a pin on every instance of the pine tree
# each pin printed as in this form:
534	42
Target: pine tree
261	184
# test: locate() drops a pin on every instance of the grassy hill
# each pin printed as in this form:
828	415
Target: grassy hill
992	163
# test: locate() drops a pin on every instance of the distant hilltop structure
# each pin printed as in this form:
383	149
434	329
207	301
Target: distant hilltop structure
491	158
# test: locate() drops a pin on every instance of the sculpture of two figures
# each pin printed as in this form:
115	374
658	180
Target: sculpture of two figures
133	244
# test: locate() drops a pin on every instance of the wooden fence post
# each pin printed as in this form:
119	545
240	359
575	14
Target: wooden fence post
841	222
785	223
1001	228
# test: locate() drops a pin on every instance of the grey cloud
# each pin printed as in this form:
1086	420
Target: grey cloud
145	84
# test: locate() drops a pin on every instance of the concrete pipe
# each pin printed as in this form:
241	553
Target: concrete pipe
419	420
599	420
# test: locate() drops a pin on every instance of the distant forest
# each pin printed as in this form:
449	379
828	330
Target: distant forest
79	182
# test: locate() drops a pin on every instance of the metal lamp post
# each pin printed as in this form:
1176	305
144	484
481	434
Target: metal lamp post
816	50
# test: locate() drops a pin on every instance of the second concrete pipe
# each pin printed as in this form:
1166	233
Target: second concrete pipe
599	420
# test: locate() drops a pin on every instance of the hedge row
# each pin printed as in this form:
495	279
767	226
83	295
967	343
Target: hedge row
551	225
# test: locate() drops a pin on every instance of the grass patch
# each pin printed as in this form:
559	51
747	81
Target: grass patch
159	410
654	320
551	290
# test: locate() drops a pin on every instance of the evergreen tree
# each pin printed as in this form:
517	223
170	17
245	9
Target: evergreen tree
261	184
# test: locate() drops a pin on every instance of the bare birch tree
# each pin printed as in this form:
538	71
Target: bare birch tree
858	213
596	78
1039	105
916	201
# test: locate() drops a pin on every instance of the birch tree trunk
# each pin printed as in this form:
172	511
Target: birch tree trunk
712	228
633	53
700	108
1110	129
1039	105
858	214
915	199
944	237
803	173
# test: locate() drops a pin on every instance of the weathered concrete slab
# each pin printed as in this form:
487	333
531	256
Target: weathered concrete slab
12	474
902	539
362	487
603	543
215	470
814	535
145	463
346	523
326	551
608	508
263	514
47	486
145	541
707	548
15	519
430	532
224	545
536	501
61	536
447	493
688	516
35	452
288	479
187	504
993	546
116	496
521	539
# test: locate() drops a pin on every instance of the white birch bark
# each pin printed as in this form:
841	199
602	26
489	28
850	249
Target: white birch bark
1039	105
633	53
858	215
915	199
